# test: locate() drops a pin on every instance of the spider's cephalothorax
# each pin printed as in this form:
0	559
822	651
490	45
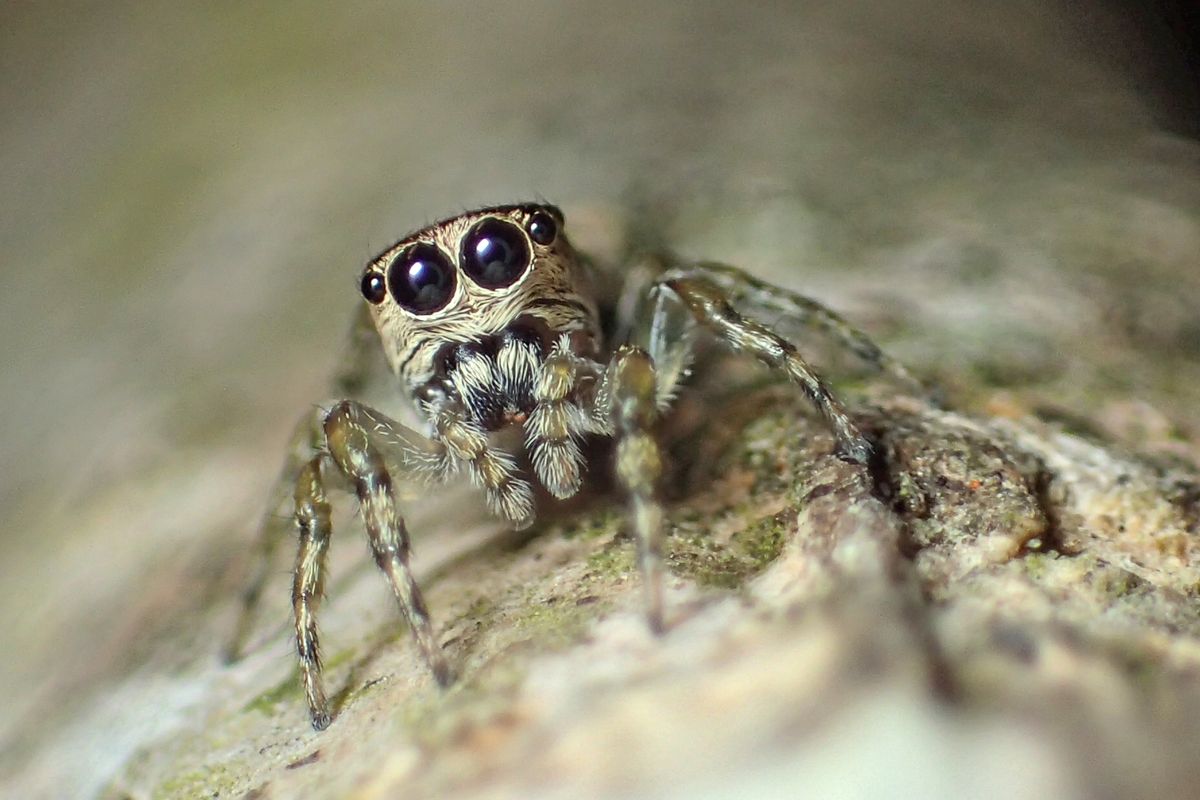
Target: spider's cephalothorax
471	279
492	321
489	320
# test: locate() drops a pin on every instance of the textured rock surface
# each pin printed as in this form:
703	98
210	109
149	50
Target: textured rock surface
992	594
1004	605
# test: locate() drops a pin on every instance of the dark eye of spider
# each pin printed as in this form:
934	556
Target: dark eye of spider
374	288
542	228
495	254
421	279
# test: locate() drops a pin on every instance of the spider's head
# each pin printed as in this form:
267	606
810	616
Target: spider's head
469	279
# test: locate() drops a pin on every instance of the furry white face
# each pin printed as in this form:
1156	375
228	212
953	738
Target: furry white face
470	277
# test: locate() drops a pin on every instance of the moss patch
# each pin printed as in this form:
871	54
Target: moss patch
604	522
217	780
728	565
616	559
763	540
286	690
553	622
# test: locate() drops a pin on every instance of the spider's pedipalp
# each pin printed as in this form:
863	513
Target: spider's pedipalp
466	442
710	306
518	361
556	424
474	379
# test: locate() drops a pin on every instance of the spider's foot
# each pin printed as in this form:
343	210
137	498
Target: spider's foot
231	653
320	719
857	451
653	590
655	621
443	673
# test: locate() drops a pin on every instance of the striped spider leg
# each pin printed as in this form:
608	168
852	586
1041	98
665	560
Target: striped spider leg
707	295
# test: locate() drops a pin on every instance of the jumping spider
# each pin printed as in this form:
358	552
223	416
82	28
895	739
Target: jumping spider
491	320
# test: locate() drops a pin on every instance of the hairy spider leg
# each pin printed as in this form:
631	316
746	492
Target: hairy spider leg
305	440
308	583
634	389
355	436
368	448
761	298
709	305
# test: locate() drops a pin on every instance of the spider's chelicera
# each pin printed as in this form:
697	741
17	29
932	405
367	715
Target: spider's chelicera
492	320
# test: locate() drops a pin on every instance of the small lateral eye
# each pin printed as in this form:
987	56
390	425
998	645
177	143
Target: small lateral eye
495	253
542	227
421	279
374	287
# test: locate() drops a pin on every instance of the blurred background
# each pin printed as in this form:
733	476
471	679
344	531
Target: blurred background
1007	194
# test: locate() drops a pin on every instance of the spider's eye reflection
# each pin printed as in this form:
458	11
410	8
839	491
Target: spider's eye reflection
421	279
495	254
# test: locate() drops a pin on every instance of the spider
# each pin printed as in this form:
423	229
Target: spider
491	320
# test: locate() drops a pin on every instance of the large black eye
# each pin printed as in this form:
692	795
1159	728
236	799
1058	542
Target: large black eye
421	279
495	254
542	227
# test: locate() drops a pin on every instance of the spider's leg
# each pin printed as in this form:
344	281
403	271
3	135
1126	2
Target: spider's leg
308	585
355	437
305	440
634	391
360	357
367	448
761	298
557	423
710	305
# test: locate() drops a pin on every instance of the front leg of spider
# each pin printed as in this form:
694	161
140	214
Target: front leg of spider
709	305
354	435
308	583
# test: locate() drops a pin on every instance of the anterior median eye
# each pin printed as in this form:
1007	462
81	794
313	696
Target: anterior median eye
495	254
421	279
